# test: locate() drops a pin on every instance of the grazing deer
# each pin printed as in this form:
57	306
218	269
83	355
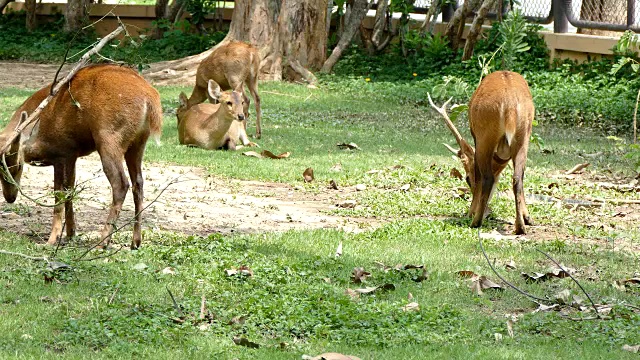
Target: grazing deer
500	116
104	108
231	65
213	126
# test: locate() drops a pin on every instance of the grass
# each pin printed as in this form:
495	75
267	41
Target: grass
295	302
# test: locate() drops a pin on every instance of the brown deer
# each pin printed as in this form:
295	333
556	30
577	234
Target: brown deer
501	113
107	108
231	65
213	126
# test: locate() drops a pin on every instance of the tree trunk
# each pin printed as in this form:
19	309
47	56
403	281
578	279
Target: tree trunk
430	18
30	6
3	4
291	36
358	12
476	29
161	14
609	11
455	29
75	15
381	35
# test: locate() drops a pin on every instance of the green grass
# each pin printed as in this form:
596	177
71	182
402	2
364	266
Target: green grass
297	293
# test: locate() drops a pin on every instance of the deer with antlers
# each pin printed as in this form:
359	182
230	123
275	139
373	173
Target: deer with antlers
105	108
501	114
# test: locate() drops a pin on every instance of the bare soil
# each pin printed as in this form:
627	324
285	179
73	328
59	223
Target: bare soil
28	75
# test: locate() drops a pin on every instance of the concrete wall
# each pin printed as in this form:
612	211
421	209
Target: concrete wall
139	17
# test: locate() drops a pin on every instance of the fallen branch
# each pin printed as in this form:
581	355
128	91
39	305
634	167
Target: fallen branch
574	280
535	298
34	258
36	113
616	201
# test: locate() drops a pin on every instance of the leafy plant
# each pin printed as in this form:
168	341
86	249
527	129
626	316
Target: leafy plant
513	35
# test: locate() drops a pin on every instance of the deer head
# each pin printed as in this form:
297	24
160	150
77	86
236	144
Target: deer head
231	102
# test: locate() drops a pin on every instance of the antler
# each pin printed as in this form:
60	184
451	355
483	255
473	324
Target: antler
443	111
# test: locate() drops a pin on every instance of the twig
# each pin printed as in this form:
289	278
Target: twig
203	307
34	258
113	296
172	182
503	279
175	303
574	280
36	113
615	201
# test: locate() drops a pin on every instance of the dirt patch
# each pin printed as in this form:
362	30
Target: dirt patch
198	204
28	75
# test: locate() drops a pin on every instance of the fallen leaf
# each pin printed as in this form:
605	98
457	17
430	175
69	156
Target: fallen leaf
577	168
358	275
635	281
511	265
243	341
308	175
269	154
539	277
361	187
370	289
336	168
542	307
633	349
374	171
498	337
552	185
413	306
619	285
330	356
563	297
339	250
405	187
410	296
456	174
495	235
333	185
347	204
424	276
352	293
168	271
479	283
350	146
204	326
396	167
327	280
466	273
409	267
510	327
252	154
237	320
242	270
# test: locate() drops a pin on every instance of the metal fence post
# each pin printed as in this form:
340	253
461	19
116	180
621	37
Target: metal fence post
631	13
560	21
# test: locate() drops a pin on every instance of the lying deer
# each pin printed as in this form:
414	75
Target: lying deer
213	126
231	65
500	116
104	108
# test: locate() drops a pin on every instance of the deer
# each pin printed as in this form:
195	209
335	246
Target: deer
230	66
105	108
501	114
213	126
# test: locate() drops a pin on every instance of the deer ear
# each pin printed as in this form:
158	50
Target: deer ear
214	92
182	99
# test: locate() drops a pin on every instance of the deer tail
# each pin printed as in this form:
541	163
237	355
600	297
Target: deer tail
155	120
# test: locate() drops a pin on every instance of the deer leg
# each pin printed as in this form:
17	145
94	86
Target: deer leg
483	189
112	166
253	89
198	95
522	214
68	184
133	158
56	222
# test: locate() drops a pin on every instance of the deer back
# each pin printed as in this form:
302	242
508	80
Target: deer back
229	64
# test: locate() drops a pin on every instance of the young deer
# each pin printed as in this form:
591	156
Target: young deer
500	116
107	108
231	65
210	126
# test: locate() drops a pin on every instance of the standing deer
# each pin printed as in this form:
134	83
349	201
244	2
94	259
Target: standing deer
107	108
213	126
231	65
500	116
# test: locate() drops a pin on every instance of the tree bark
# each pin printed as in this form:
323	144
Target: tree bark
75	15
609	11
455	29
291	36
358	12
30	6
430	18
476	29
3	4
381	35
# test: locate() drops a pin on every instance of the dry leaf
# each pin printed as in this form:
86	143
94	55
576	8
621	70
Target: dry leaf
466	273
542	307
243	341
479	283
635	281
358	275
552	185
510	327
456	174
410	296
347	204
252	154
405	187
370	289
330	356
498	337
336	167
269	154
374	171
633	349
327	280
350	146
237	320
539	277
168	271
511	265
339	250
413	306
242	270
577	168
422	277
352	293
308	175
563	297
361	187
333	185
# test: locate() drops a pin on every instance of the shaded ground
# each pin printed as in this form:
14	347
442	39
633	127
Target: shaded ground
27	75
